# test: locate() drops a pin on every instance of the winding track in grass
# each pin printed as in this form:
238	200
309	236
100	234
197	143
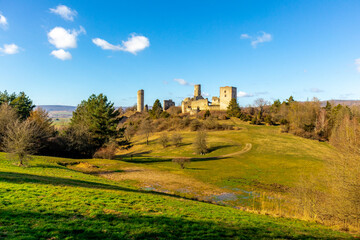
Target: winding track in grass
246	148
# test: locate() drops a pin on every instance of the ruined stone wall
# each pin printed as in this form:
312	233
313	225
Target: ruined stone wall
167	104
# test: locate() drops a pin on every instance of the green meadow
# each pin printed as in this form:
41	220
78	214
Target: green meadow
141	194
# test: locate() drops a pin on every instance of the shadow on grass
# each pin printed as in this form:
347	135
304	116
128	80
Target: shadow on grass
17	224
131	154
159	160
12	177
212	149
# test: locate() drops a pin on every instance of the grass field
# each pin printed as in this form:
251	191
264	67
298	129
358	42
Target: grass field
147	196
49	201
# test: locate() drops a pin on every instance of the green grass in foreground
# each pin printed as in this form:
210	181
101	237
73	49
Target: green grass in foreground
48	201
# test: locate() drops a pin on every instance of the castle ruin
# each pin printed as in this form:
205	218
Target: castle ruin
198	103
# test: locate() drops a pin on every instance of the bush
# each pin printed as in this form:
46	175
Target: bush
164	140
195	125
108	151
176	139
200	145
211	124
182	162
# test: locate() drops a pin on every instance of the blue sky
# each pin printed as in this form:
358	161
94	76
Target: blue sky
60	52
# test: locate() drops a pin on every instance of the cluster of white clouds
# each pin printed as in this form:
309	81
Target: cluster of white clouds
7	49
64	39
134	44
64	12
264	37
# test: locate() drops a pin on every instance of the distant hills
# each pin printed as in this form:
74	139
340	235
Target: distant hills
51	108
342	102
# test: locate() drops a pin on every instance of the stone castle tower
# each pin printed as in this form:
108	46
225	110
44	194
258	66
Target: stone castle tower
197	92
140	100
226	94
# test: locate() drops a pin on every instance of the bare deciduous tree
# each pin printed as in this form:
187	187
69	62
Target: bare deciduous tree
176	139
200	145
146	129
182	162
7	115
20	139
164	140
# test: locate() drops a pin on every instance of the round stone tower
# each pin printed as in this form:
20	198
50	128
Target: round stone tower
197	90
140	100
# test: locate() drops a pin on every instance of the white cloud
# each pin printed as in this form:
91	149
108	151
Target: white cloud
357	63
244	36
244	94
182	82
9	49
3	21
62	38
205	94
266	37
105	45
61	54
64	12
134	44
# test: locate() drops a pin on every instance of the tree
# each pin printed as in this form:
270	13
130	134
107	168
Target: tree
182	162
129	132
233	110
156	110
21	103
44	126
200	145
100	117
79	141
176	139
7	116
164	140
146	129
20	139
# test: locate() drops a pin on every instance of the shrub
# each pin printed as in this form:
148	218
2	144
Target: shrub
195	125
164	140
200	145
207	114
211	124
108	151
176	139
182	162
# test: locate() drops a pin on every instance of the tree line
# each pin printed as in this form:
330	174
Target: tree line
26	130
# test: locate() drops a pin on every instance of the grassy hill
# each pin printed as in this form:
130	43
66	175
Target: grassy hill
146	196
49	201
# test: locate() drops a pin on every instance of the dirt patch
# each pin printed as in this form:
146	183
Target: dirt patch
165	182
